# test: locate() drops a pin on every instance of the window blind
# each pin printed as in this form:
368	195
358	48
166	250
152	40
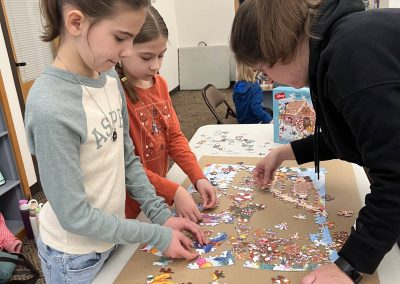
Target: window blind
25	26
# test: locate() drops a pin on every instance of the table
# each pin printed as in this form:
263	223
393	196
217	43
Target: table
251	140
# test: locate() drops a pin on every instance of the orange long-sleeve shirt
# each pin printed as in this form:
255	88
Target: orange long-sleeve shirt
156	134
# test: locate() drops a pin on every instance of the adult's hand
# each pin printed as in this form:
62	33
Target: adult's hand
265	168
327	274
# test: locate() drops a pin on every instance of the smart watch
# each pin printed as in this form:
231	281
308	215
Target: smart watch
348	269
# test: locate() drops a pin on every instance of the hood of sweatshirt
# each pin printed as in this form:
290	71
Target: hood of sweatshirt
329	14
242	87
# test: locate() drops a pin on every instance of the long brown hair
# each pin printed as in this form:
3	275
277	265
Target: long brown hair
268	31
97	9
154	27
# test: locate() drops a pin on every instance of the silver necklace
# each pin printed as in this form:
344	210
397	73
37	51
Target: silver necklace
114	129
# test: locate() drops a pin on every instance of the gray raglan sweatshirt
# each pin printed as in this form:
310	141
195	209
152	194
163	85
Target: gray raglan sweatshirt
84	174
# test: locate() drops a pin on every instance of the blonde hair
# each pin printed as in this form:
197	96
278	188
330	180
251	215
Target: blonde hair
245	73
268	31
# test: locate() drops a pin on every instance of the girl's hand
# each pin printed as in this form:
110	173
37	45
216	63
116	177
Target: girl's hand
185	205
265	169
182	224
180	247
207	192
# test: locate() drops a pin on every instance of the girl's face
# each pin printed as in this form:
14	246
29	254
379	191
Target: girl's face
145	59
106	42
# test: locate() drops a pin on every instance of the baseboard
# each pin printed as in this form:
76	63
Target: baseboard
174	90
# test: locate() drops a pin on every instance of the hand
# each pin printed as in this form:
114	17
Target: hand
185	205
266	167
327	274
207	192
182	224
180	247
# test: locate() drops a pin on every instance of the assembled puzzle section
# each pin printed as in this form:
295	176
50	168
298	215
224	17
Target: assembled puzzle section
294	115
277	234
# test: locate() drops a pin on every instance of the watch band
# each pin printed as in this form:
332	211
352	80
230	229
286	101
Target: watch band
348	269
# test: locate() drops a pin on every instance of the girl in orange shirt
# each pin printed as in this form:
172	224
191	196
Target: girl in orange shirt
154	126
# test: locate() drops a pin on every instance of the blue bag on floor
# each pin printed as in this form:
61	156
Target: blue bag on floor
6	268
8	263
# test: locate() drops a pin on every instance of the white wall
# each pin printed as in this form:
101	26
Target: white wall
394	3
389	4
16	114
193	21
169	69
204	20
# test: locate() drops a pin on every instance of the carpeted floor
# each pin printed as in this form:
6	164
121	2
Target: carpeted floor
192	113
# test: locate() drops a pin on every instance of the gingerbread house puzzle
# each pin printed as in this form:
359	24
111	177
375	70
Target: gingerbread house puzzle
294	115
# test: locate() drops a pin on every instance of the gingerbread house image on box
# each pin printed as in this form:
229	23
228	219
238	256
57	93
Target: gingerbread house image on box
300	115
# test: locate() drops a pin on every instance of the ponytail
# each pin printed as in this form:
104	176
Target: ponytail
51	12
128	87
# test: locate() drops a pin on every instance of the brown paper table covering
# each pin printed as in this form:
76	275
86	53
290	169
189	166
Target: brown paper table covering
340	183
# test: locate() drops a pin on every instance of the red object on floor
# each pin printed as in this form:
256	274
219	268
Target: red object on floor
7	240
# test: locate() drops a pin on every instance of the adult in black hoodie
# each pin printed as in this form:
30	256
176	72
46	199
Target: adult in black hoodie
350	59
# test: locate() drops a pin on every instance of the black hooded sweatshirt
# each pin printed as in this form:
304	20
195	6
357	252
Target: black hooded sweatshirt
354	77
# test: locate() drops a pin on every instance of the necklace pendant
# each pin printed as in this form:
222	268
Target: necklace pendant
114	135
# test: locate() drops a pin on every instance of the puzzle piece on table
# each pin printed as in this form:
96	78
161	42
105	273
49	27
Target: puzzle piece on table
345	213
219	238
163	261
224	259
166	270
162	278
300	217
329	197
217	274
242	188
282	226
295	236
280	280
213	243
151	249
216	219
202	249
241	197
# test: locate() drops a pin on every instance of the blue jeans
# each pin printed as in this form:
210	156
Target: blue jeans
62	268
